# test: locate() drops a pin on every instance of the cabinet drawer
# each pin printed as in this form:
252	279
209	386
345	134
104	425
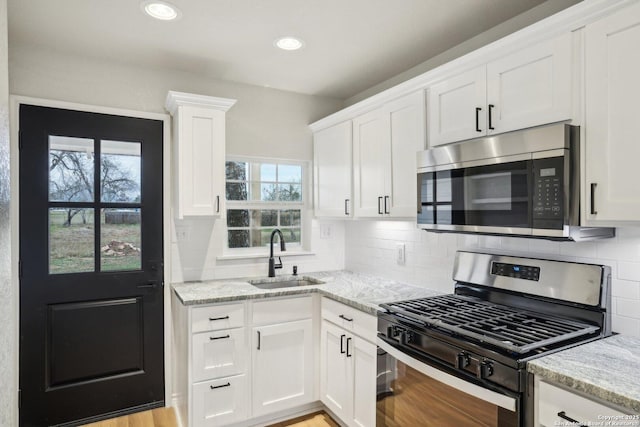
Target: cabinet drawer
350	318
553	400
218	353
270	312
216	317
220	402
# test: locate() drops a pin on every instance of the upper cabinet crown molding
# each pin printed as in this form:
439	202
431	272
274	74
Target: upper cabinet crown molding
565	21
176	99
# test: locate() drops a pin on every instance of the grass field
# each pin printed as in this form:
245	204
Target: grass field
71	248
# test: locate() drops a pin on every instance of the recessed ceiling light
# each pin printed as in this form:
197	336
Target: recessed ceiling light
289	43
160	10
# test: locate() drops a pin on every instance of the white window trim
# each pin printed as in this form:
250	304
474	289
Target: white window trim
305	214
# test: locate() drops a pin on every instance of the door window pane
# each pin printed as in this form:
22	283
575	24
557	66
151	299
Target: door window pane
71	169
120	239
71	240
120	171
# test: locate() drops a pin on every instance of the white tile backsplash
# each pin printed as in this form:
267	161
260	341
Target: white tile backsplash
369	248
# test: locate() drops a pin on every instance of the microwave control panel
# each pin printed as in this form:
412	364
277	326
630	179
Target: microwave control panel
548	192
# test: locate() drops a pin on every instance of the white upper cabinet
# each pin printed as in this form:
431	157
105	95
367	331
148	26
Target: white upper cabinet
385	143
612	101
332	171
530	87
199	153
370	163
457	109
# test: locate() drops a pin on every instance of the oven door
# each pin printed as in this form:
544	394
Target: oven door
476	197
412	393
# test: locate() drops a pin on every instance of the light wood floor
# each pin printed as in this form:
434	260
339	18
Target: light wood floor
165	417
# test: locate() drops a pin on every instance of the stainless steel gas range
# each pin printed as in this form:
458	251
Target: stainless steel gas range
460	359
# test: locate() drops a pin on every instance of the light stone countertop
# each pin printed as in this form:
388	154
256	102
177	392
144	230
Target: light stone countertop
360	291
608	369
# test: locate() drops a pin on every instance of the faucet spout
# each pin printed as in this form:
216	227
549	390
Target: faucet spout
272	263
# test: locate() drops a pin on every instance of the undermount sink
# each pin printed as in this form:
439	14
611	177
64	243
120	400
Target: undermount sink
284	282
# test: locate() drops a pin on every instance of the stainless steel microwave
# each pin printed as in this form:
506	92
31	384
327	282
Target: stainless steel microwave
524	183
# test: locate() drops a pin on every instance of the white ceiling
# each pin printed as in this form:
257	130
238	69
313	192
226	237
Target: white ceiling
351	45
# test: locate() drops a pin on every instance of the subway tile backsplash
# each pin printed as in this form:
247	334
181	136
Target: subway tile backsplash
370	246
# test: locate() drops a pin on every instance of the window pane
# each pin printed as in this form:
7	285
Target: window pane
236	191
289	173
291	235
236	171
239	238
267	173
120	239
262	237
290	192
71	240
290	218
264	218
237	218
268	192
120	171
71	169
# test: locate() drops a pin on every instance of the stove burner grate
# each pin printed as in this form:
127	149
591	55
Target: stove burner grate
512	329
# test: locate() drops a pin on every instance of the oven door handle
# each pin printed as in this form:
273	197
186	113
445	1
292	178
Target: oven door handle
498	399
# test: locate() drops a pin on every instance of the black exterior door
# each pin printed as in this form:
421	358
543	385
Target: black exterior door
91	284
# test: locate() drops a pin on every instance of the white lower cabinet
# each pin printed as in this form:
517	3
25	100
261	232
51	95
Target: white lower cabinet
235	363
348	375
558	406
283	370
219	402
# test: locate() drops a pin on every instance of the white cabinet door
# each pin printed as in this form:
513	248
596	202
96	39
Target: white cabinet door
199	153
612	111
364	382
336	375
332	171
552	401
282	366
457	108
371	165
218	354
219	402
407	121
530	87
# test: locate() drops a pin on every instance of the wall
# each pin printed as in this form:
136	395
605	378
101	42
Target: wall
264	122
8	350
525	19
371	247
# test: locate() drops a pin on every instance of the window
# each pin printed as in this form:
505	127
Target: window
262	196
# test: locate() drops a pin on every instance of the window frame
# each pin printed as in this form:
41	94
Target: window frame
303	206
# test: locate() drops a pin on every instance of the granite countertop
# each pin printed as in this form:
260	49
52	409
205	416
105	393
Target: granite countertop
361	291
607	369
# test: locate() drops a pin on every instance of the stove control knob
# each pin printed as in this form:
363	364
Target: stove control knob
462	360
484	369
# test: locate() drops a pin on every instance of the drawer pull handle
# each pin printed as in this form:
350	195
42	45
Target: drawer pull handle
563	415
342	316
213	319
342	343
213	387
219	338
348	341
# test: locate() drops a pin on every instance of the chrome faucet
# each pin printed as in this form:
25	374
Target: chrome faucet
272	262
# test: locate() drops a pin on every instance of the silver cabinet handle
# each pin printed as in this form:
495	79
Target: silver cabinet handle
386	203
380	205
346	206
217	204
